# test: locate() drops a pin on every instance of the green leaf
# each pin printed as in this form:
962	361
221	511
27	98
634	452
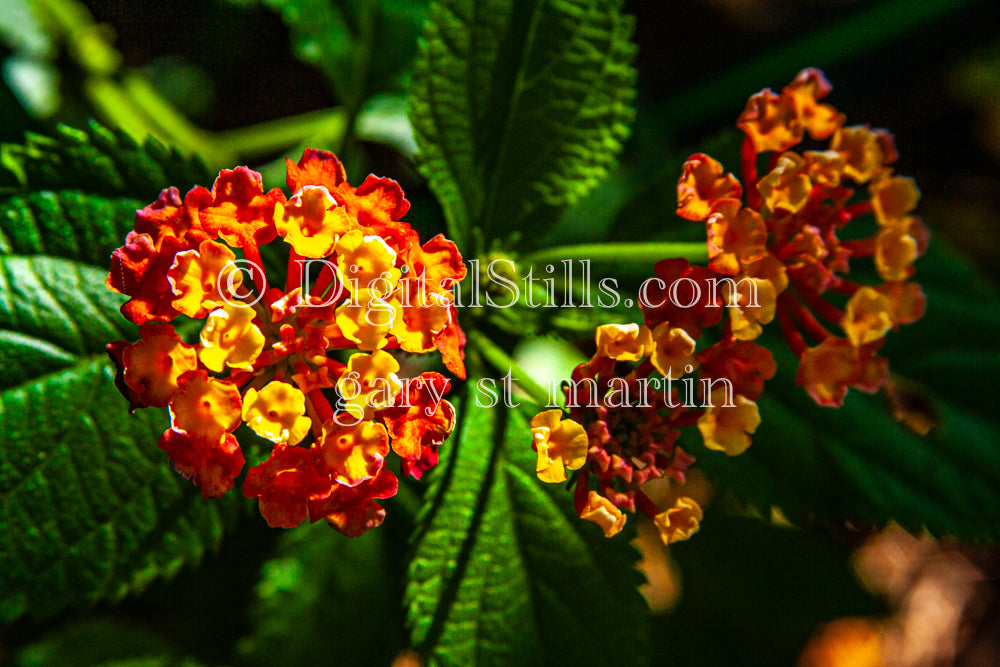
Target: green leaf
75	196
954	347
504	571
89	508
98	161
857	462
326	599
362	47
520	107
67	224
104	643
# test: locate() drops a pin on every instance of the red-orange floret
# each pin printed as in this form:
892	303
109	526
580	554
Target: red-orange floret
267	354
240	212
212	465
286	484
682	295
420	418
352	510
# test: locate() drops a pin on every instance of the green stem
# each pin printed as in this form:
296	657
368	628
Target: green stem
112	103
504	363
279	134
633	253
170	125
354	97
138	108
89	43
576	326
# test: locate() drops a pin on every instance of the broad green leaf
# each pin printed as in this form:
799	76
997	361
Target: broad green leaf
504	572
75	195
326	599
98	161
520	107
764	588
857	462
362	47
954	348
104	643
89	508
67	224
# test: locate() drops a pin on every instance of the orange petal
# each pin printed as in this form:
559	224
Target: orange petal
702	183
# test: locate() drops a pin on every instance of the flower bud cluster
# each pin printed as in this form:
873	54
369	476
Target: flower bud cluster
306	367
780	250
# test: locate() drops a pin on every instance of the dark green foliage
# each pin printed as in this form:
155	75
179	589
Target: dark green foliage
98	161
104	643
88	507
520	108
505	572
362	47
856	462
329	599
763	588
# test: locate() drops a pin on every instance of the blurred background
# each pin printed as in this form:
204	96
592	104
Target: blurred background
252	82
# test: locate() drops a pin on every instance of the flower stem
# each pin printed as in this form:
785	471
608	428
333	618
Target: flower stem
504	363
634	253
275	135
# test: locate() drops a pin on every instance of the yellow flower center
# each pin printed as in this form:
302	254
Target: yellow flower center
560	443
230	339
277	412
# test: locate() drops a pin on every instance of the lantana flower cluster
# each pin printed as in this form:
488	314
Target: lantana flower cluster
306	365
795	238
628	404
780	250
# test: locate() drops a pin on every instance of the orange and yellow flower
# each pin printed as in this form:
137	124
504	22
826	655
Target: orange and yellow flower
806	203
777	250
627	406
274	358
679	522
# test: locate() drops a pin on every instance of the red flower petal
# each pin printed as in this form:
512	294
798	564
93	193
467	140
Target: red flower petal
421	417
240	212
353	510
285	485
139	270
317	167
451	343
211	465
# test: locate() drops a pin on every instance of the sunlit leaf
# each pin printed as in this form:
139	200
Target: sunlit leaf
505	572
88	507
97	161
520	107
